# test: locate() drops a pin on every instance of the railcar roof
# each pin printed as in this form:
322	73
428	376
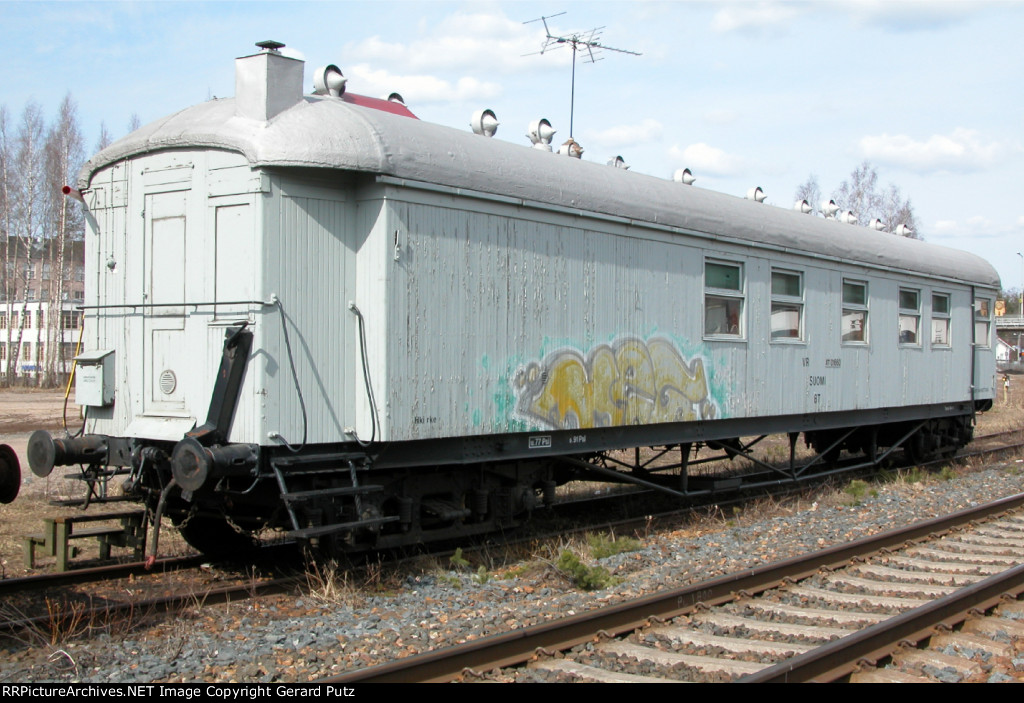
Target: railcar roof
330	133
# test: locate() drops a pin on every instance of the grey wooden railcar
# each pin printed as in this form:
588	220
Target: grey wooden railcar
399	330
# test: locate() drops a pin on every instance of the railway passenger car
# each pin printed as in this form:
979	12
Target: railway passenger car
321	314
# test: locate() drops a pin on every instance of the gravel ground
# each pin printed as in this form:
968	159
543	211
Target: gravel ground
390	613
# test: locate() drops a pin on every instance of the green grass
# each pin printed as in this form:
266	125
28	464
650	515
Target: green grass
458	561
604	545
856	489
589	578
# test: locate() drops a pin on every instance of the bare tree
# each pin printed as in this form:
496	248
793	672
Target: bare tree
1011	298
134	123
65	224
811	192
861	195
895	211
26	198
105	139
7	274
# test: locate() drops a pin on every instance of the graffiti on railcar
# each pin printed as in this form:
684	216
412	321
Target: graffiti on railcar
627	382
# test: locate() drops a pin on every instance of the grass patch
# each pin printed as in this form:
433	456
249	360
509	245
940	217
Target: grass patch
913	475
331	584
458	561
604	545
589	578
856	490
482	575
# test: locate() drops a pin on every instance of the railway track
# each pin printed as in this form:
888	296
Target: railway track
812	618
56	602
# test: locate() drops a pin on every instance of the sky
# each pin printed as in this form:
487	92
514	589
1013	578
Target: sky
749	93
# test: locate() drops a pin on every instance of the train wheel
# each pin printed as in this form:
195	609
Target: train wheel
10	474
215	537
920	447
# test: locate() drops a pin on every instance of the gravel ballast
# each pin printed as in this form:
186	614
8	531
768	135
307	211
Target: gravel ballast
317	634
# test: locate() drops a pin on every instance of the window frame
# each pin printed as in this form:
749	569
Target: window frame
784	302
908	313
727	296
849	307
983	319
942	317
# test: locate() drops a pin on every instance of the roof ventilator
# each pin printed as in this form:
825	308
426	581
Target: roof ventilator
329	80
756	194
540	133
571	148
484	122
684	176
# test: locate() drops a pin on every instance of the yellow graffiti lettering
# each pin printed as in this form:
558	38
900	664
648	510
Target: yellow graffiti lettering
629	382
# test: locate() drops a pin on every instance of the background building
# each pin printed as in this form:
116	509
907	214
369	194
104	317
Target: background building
39	291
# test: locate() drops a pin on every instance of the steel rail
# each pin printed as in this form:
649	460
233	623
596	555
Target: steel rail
109	610
518	646
99	573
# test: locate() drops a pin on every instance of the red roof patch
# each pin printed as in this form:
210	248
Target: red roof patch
377	104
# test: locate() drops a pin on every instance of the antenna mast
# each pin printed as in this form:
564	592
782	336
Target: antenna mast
587	41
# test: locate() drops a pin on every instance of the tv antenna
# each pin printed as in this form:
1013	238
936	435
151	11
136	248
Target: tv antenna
588	41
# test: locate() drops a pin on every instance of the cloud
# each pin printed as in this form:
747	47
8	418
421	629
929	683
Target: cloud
962	150
422	89
892	15
754	17
976	227
979	222
701	157
622	135
910	15
466	41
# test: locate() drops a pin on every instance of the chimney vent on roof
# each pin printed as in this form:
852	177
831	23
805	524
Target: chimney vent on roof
270	45
267	83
